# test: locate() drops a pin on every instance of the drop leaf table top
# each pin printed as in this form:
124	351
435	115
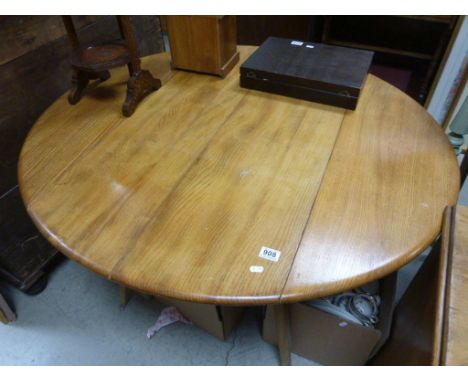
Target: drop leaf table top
179	199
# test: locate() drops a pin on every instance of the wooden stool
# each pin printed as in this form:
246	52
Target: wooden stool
94	63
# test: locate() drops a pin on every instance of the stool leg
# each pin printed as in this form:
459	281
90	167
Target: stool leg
140	84
124	296
284	333
80	81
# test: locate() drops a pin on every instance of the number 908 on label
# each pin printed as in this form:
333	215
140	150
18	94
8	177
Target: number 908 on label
269	254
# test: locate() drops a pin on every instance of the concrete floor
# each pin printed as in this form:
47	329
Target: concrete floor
77	320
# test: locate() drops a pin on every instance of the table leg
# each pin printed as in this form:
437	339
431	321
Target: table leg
284	333
6	313
124	296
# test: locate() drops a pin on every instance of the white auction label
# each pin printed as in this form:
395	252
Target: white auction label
269	254
298	43
256	269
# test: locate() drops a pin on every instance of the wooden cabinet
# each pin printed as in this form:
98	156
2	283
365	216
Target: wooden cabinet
204	44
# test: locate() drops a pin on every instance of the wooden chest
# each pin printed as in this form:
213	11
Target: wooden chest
316	72
205	44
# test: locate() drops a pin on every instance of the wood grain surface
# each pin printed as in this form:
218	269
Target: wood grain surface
35	70
382	200
179	199
205	44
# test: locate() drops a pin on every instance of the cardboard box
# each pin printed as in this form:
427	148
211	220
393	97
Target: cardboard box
214	319
331	340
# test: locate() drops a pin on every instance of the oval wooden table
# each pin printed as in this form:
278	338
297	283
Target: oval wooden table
179	199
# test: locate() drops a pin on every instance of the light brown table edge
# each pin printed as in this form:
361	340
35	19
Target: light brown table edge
376	274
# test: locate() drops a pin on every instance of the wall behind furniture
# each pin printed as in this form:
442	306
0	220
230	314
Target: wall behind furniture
254	30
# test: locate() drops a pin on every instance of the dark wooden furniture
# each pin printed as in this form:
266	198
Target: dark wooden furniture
255	29
94	62
418	41
464	168
24	253
6	313
204	44
328	74
431	319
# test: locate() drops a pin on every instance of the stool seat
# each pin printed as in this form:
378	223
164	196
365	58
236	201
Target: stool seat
101	57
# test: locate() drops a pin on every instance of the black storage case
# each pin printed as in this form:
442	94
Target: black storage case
322	73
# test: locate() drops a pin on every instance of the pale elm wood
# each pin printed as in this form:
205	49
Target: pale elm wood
381	202
178	200
247	189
